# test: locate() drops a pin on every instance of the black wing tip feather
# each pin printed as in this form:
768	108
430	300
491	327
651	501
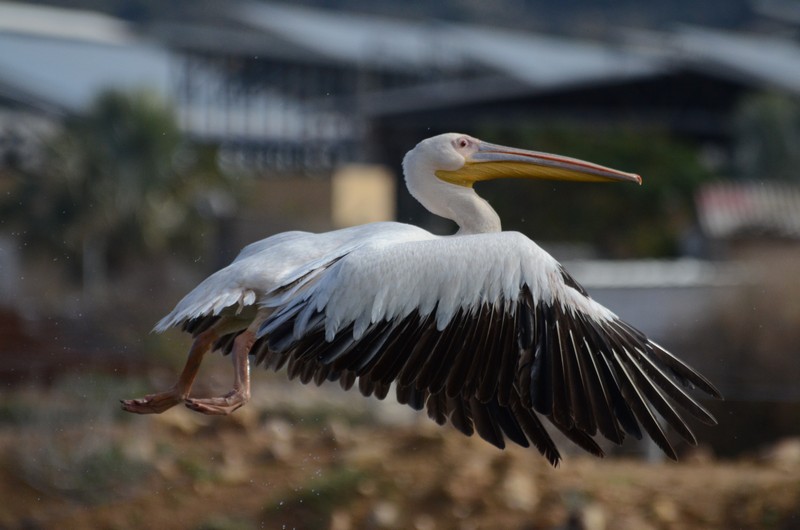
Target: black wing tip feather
583	440
197	325
682	371
620	374
629	395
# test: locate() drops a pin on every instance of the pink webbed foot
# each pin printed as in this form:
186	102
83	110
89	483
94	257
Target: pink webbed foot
218	405
152	403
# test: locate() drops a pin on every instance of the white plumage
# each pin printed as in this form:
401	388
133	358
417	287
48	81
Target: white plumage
483	328
261	267
440	274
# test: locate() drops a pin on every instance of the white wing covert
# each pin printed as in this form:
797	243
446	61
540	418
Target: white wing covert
484	330
262	265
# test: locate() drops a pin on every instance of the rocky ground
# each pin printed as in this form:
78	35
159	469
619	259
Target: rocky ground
300	458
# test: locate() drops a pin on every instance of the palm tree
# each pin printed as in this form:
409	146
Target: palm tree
116	182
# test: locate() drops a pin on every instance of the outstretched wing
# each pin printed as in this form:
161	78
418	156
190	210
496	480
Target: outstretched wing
484	330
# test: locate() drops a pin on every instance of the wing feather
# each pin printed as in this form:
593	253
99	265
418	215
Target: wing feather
388	367
535	432
597	389
460	415
580	407
510	361
486	425
542	383
558	371
486	351
488	372
459	370
480	355
439	359
622	409
419	353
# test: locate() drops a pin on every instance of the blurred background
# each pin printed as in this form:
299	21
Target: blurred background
142	143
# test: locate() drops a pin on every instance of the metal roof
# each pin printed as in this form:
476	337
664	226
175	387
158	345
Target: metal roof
54	22
223	40
62	58
772	61
548	62
540	61
70	73
353	38
751	59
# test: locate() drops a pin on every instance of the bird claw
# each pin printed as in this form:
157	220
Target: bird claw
219	406
152	403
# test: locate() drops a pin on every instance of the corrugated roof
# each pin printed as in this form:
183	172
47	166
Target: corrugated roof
223	40
750	59
545	62
540	61
54	22
730	209
60	59
70	73
349	37
773	61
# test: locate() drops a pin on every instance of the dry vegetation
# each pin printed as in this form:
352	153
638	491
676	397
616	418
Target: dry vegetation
303	458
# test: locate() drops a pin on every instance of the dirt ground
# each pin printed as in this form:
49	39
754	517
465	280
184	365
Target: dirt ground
297	458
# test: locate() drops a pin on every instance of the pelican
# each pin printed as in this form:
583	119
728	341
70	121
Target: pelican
482	328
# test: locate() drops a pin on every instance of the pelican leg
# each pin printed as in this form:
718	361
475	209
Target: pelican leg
240	394
161	401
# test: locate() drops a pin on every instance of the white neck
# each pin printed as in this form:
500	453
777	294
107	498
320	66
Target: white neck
462	204
471	212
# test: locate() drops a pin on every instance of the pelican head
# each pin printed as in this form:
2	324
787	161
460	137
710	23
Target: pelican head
463	160
441	170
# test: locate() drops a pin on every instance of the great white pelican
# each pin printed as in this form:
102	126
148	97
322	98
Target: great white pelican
482	328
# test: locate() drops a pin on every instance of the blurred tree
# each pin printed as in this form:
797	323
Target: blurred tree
117	182
767	138
620	220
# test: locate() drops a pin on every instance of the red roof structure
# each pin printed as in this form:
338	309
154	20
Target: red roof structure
734	209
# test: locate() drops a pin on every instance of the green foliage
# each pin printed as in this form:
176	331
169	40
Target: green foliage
312	505
14	410
623	220
225	522
117	182
198	471
67	444
767	138
318	414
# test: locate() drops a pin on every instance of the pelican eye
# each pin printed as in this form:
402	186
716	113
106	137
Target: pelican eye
462	142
